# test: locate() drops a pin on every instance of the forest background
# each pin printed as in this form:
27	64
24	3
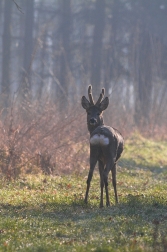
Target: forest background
50	51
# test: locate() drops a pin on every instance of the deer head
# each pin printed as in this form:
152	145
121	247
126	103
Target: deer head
94	110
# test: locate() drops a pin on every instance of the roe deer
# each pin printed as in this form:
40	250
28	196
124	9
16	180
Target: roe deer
106	144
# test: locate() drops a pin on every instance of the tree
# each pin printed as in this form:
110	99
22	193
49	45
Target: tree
65	52
28	44
97	46
111	59
6	52
143	83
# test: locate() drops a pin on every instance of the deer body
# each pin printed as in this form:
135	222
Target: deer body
106	144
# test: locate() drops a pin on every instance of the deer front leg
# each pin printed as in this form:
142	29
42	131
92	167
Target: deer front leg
93	161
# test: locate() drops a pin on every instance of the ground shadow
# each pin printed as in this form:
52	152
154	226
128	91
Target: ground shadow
145	207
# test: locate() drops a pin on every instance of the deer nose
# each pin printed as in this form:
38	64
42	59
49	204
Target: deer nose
93	121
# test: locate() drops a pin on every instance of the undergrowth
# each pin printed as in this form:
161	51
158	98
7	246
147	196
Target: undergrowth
41	139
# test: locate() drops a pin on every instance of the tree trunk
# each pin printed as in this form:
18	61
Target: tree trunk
143	78
28	45
42	65
110	64
96	61
65	54
6	51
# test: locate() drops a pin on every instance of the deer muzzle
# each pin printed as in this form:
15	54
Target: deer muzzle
93	121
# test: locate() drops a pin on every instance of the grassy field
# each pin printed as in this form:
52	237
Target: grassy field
39	213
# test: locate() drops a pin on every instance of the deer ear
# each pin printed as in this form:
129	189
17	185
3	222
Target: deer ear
85	103
104	104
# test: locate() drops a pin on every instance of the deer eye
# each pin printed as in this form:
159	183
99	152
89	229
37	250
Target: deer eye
88	113
98	114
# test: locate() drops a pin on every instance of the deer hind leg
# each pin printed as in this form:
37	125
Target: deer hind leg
101	170
105	177
93	161
114	182
106	189
110	166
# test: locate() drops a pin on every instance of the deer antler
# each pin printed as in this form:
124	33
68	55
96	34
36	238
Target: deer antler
90	95
100	97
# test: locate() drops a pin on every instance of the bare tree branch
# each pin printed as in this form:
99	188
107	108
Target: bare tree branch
18	7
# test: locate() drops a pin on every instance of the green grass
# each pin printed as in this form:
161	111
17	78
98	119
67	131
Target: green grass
39	213
145	153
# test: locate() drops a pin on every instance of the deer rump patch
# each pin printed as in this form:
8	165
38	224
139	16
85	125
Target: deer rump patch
98	139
